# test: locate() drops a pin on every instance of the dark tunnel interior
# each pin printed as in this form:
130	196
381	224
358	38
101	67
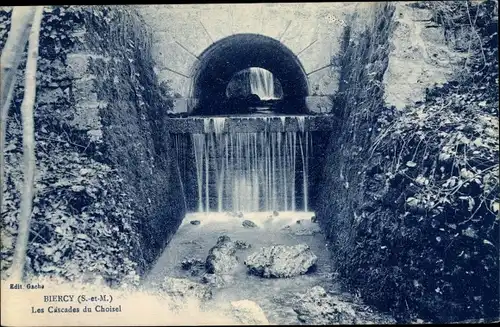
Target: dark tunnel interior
225	58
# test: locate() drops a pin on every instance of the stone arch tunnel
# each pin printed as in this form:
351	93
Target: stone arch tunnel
226	57
295	42
204	55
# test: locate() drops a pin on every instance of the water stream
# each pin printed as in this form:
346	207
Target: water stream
248	172
274	295
262	83
258	176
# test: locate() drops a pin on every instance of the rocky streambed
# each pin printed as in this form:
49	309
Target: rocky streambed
265	268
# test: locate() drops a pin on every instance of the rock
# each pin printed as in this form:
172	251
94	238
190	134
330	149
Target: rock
242	245
307	231
195	222
181	287
214	280
303	227
275	213
314	219
195	266
248	313
222	257
252	99
248	224
304	232
316	307
281	261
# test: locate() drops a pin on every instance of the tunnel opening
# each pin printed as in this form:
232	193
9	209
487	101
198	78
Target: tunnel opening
253	55
254	89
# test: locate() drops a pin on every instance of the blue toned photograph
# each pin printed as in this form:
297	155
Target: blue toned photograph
299	163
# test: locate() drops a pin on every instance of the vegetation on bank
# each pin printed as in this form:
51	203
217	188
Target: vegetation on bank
85	220
417	232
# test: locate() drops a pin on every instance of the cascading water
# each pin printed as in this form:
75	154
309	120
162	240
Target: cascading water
251	171
262	83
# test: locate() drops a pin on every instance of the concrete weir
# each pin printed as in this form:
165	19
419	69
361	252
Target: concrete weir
251	124
249	163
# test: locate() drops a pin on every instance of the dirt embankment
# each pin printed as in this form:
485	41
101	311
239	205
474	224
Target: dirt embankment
106	188
410	196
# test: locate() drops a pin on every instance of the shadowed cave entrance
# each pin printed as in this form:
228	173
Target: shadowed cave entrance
230	57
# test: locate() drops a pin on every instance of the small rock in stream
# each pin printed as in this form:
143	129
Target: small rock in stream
195	222
248	224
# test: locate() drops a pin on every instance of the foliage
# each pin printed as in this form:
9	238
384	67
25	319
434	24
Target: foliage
416	224
85	219
470	27
78	224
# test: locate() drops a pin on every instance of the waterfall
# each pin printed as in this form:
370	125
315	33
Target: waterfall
262	83
260	171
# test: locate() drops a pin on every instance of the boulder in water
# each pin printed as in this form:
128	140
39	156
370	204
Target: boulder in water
275	213
184	288
195	222
316	307
248	313
222	257
248	224
314	219
281	261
